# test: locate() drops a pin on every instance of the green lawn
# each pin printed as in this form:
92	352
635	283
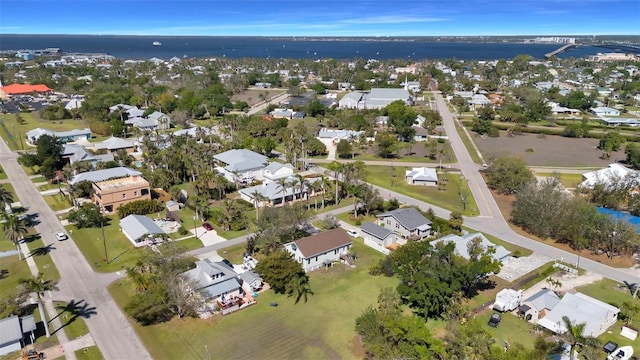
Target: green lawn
511	329
190	244
3	175
40	254
568	180
121	253
12	130
12	271
90	353
449	156
57	202
39	179
234	253
614	293
73	325
468	144
448	199
321	328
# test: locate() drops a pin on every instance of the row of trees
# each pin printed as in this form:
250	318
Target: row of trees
548	212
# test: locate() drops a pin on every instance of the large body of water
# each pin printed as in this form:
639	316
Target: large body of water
141	47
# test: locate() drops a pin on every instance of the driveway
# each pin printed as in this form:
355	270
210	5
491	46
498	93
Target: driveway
331	148
207	237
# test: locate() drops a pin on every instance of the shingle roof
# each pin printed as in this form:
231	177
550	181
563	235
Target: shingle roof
218	289
376	231
409	218
206	270
10	330
136	226
319	244
104	174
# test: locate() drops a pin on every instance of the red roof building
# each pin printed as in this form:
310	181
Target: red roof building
22	89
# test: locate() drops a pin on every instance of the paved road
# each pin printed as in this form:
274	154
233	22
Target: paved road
112	332
491	220
383	163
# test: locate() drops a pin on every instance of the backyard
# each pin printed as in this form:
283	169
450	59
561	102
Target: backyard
316	329
448	198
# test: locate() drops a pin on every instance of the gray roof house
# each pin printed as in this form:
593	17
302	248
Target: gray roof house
538	305
75	153
338	135
274	194
462	245
377	237
113	144
12	330
406	222
104	174
162	120
580	308
137	227
424	176
377	98
142	123
246	164
65	136
276	171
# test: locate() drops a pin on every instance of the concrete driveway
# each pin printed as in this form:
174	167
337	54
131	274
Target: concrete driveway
207	237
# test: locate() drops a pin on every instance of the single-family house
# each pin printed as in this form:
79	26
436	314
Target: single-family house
462	244
142	123
632	122
605	111
377	98
64	136
113	144
561	110
104	174
420	134
282	113
113	193
76	153
139	229
241	165
406	223
613	173
275	171
536	306
378	237
163	120
337	135
271	193
478	101
424	176
321	249
73	104
12	333
580	308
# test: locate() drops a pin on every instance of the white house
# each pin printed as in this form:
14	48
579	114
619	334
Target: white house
65	136
536	306
139	229
605	111
337	135
580	308
462	245
275	171
421	134
377	98
241	165
321	249
615	172
378	237
424	176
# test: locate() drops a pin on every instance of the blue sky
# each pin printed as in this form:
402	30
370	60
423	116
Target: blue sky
320	17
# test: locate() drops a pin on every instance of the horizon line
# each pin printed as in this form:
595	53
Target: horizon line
320	36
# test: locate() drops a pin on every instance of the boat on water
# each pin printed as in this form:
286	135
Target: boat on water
157	43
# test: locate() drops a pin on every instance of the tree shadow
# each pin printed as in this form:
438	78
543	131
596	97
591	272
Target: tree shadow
42	251
74	310
631	286
4	273
32	237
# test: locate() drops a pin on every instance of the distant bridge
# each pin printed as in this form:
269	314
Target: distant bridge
617	47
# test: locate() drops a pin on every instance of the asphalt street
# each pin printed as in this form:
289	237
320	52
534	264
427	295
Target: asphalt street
109	327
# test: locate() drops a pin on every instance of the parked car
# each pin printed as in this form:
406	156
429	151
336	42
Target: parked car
207	226
61	236
494	320
352	233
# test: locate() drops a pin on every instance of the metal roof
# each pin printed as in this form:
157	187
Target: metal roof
136	226
10	330
104	174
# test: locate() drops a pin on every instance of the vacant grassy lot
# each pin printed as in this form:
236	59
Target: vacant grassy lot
322	328
57	202
613	293
448	199
14	133
569	181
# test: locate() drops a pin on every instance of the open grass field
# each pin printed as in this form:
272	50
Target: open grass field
613	293
569	181
549	150
14	133
448	199
322	328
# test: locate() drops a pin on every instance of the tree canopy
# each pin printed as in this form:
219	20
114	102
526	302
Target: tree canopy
508	174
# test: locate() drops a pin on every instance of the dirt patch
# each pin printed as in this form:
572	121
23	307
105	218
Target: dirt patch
357	348
549	150
253	96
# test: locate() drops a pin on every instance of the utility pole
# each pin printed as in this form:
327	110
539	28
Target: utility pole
104	241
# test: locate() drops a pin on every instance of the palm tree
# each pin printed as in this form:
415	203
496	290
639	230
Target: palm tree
284	184
15	229
258	198
299	288
323	183
574	336
6	198
336	167
294	184
37	284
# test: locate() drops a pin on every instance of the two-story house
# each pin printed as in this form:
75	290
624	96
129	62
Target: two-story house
111	194
241	165
406	223
321	249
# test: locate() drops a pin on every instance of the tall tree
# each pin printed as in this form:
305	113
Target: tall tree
14	229
37	284
575	336
6	199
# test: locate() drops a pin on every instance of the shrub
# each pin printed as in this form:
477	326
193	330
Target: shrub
140	207
183	230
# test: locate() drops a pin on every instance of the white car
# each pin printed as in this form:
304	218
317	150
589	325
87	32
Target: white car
61	236
352	233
